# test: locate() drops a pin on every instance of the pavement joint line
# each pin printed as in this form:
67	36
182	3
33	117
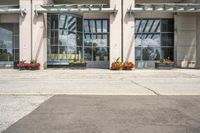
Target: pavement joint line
87	94
145	88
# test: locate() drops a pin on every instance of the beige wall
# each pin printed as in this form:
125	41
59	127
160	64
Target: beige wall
9	2
25	32
185	40
115	31
9	18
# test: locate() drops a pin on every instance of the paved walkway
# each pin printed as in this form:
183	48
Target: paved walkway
100	82
113	114
21	92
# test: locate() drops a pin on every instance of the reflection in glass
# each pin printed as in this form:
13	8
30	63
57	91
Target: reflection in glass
151	53
9	42
88	54
167	25
100	54
167	39
6	54
68	36
138	53
156	26
168	53
153	42
105	26
54	21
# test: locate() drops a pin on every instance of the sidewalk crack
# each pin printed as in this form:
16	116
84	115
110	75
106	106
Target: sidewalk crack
149	89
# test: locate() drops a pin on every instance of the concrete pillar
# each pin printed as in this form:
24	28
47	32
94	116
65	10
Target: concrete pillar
25	32
39	36
115	31
128	32
198	42
185	44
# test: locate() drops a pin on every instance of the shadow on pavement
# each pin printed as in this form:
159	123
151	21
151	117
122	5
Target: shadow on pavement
113	114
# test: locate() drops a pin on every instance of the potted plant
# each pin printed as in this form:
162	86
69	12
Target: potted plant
164	64
78	65
33	65
128	65
116	65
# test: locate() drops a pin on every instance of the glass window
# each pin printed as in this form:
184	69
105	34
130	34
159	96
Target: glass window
168	53
138	53
96	41
88	54
105	26
100	54
155	26
167	25
9	42
154	39
167	39
151	53
54	21
64	36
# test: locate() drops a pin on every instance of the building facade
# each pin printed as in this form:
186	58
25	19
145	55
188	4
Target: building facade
56	32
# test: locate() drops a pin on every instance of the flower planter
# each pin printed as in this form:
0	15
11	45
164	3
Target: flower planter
77	65
28	66
167	66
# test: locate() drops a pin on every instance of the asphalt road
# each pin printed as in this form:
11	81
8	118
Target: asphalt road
112	114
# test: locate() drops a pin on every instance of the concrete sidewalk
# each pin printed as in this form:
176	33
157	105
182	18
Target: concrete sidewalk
100	82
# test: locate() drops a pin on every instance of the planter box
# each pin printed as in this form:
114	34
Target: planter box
28	66
164	66
77	66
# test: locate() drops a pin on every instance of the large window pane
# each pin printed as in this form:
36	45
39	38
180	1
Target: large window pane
155	26
152	40
151	53
9	40
79	24
100	40
105	26
152	36
54	21
167	25
168	39
63	22
88	41
168	53
6	54
100	54
88	54
138	53
98	26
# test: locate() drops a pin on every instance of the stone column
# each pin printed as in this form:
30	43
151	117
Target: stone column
128	32
25	32
115	31
198	42
39	36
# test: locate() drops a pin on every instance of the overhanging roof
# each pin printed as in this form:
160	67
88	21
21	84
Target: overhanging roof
12	9
74	8
165	7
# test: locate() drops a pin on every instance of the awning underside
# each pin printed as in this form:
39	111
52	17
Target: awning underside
12	9
165	7
73	8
